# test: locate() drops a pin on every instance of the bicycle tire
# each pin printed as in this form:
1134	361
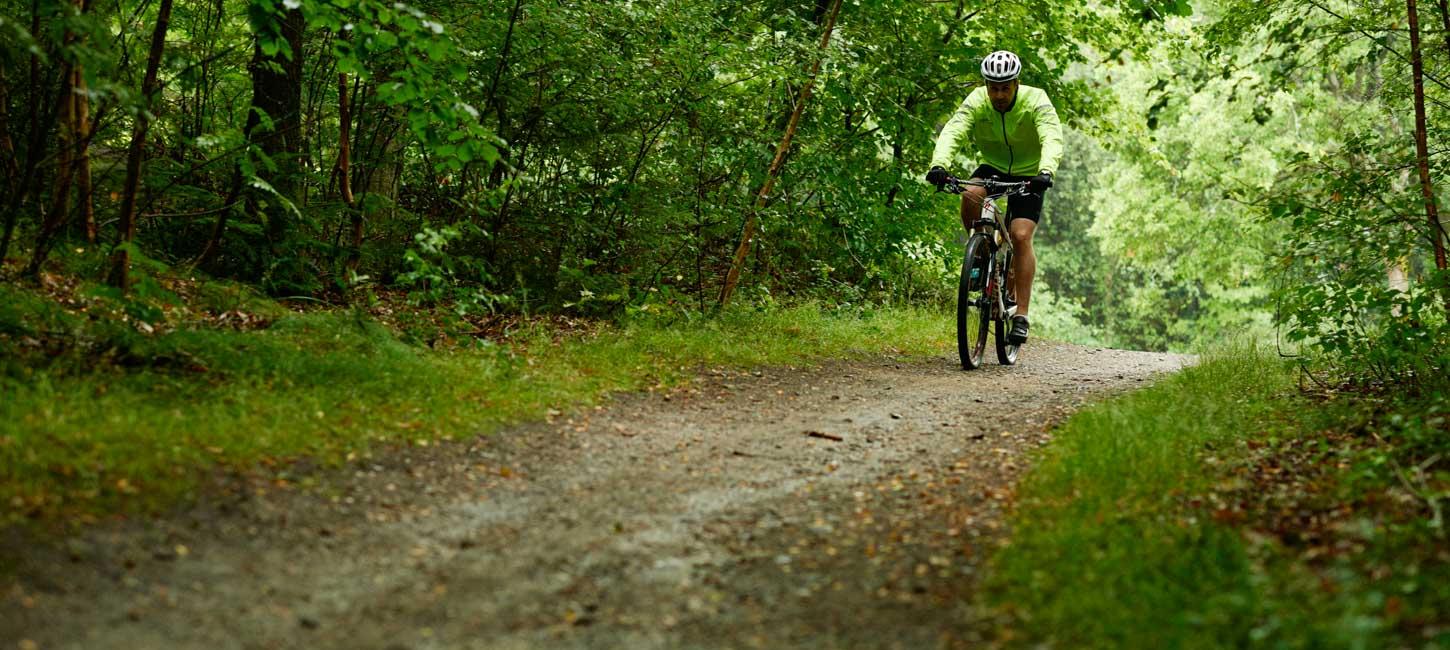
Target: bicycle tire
973	308
1006	352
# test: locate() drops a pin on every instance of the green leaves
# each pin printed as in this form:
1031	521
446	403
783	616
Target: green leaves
1158	9
435	274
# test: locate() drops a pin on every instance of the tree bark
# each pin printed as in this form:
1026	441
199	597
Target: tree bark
7	146
59	213
35	147
498	106
344	169
82	124
66	145
748	232
121	259
1422	154
1445	22
377	156
219	228
72	156
34	98
277	93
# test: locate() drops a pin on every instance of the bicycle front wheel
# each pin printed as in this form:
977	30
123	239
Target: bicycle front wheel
973	306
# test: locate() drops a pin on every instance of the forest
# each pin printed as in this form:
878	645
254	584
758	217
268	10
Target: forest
1232	167
494	181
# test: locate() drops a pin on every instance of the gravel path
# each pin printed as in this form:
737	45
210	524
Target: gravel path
845	506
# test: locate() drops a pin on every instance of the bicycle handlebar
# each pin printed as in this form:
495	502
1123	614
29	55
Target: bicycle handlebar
954	185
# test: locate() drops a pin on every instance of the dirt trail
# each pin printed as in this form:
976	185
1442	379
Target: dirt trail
846	506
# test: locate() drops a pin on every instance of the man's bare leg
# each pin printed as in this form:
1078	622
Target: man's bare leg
972	198
1024	262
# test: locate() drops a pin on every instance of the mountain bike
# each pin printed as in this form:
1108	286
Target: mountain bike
983	294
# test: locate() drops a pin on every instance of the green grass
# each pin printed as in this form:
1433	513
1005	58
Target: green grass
135	422
1098	557
1114	547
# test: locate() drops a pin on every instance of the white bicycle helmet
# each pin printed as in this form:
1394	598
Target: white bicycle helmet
1001	66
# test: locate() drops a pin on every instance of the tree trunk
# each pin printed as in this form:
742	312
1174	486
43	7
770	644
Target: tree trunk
344	168
54	219
1445	22
59	211
277	93
72	157
35	149
219	228
748	232
34	97
82	123
121	259
377	159
494	103
7	146
1422	154
1398	279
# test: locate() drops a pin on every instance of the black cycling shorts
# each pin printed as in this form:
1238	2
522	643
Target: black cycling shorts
1022	206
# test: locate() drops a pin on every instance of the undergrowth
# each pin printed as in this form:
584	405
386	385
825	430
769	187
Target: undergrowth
1226	507
125	404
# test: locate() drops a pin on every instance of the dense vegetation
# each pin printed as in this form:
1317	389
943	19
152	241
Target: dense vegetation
1233	166
109	419
1250	515
516	155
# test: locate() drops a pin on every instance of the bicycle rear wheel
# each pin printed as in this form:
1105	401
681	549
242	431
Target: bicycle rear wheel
1002	325
973	308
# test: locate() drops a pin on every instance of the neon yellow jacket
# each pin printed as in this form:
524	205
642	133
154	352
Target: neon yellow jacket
1024	141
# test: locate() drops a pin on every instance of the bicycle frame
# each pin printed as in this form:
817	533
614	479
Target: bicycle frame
989	223
996	229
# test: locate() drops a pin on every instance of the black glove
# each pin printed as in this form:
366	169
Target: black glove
937	176
1040	182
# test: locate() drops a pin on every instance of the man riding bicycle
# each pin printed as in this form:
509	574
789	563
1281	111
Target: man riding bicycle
1015	130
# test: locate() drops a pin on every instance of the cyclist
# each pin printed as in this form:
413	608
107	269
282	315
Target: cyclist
1015	130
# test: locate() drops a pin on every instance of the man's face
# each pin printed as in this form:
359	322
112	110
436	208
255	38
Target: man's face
1001	94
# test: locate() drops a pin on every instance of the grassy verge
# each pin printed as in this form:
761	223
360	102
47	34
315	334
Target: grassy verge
100	417
1222	508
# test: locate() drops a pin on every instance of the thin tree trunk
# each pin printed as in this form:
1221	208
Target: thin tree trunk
498	106
7	146
344	169
82	123
219	228
72	157
748	232
56	217
121	260
35	85
35	149
380	159
1445	21
503	56
1422	154
65	160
